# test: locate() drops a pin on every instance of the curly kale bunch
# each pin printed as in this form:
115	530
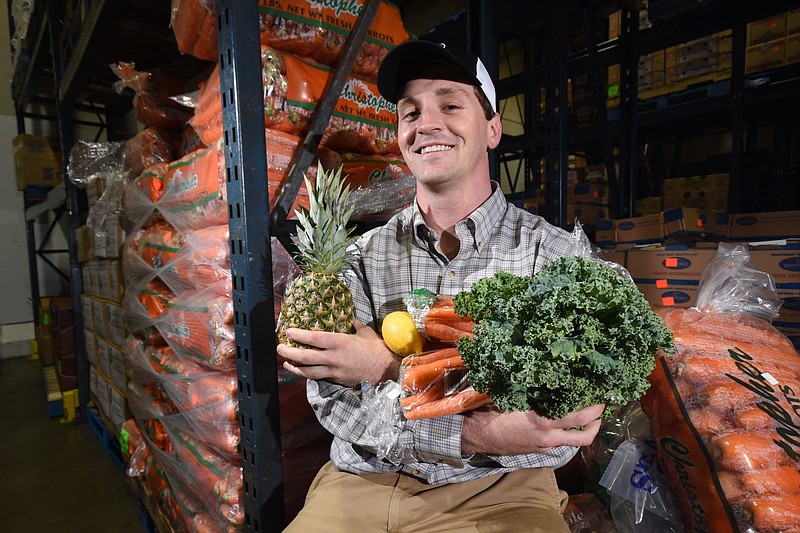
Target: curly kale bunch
575	334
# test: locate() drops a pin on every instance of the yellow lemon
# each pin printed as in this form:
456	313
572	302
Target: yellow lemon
401	335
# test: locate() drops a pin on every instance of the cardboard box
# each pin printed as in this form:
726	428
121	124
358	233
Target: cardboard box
766	225
766	30
99	318
714	201
116	281
117	407
790	309
793	49
645	229
588	193
83	244
683	221
103	394
587	213
93	380
604	232
648	206
115	235
677	264
696	185
765	57
67	371
90	341
676	295
86	311
615	256
781	262
119	376
116	323
36	162
103	357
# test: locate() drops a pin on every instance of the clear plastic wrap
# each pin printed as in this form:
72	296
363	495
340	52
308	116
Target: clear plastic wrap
141	196
152	92
21	15
134	448
147	251
90	161
382	200
730	284
640	497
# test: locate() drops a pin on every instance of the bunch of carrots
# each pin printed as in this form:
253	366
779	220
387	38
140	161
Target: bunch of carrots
432	379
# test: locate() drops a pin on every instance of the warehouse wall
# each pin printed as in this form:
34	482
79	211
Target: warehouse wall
14	277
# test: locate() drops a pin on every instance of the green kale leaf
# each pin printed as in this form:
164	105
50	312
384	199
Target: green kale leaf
575	334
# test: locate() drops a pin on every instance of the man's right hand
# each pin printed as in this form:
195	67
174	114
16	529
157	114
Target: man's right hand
490	431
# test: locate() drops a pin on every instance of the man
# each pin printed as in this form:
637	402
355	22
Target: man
483	470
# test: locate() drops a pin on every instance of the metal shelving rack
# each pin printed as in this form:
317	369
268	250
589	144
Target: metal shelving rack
549	136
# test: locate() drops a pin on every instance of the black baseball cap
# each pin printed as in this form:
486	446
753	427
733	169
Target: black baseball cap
400	65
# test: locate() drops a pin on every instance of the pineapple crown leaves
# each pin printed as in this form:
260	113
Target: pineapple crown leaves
323	238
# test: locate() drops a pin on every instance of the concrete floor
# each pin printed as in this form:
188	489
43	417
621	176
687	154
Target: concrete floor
53	476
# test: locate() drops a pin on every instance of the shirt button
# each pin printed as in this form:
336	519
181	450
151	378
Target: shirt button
452	274
415	471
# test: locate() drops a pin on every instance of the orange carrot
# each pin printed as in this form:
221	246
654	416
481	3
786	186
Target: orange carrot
430	356
774	513
458	323
455	403
421	376
444	333
434	391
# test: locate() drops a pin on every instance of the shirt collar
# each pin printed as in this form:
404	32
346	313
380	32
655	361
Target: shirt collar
482	220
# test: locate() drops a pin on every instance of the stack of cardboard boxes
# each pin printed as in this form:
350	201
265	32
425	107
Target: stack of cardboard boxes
55	335
104	326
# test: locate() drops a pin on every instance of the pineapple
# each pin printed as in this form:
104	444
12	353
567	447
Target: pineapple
318	299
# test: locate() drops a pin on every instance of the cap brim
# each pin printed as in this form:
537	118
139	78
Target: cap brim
400	63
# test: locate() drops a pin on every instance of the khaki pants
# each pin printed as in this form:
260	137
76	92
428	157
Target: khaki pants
522	501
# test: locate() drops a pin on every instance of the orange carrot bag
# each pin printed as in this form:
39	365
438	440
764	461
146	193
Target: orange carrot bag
319	30
725	409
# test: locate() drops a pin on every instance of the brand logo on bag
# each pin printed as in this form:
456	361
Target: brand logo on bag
359	92
680	263
792	264
351	7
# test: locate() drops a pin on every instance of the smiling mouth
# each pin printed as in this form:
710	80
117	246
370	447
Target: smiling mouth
434	148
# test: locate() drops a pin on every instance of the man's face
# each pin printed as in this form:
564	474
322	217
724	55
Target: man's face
441	129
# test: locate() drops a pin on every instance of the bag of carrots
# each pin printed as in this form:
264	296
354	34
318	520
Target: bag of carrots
152	91
319	30
362	121
150	146
725	409
141	195
194	23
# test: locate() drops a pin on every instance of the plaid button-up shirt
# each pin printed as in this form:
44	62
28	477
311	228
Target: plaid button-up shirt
402	256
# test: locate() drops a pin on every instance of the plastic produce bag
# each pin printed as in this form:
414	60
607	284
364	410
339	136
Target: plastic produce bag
724	411
729	283
640	496
148	147
382	200
194	23
152	92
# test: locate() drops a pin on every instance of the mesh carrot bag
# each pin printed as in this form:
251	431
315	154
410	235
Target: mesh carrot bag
725	409
195	26
362	121
152	92
319	30
150	146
